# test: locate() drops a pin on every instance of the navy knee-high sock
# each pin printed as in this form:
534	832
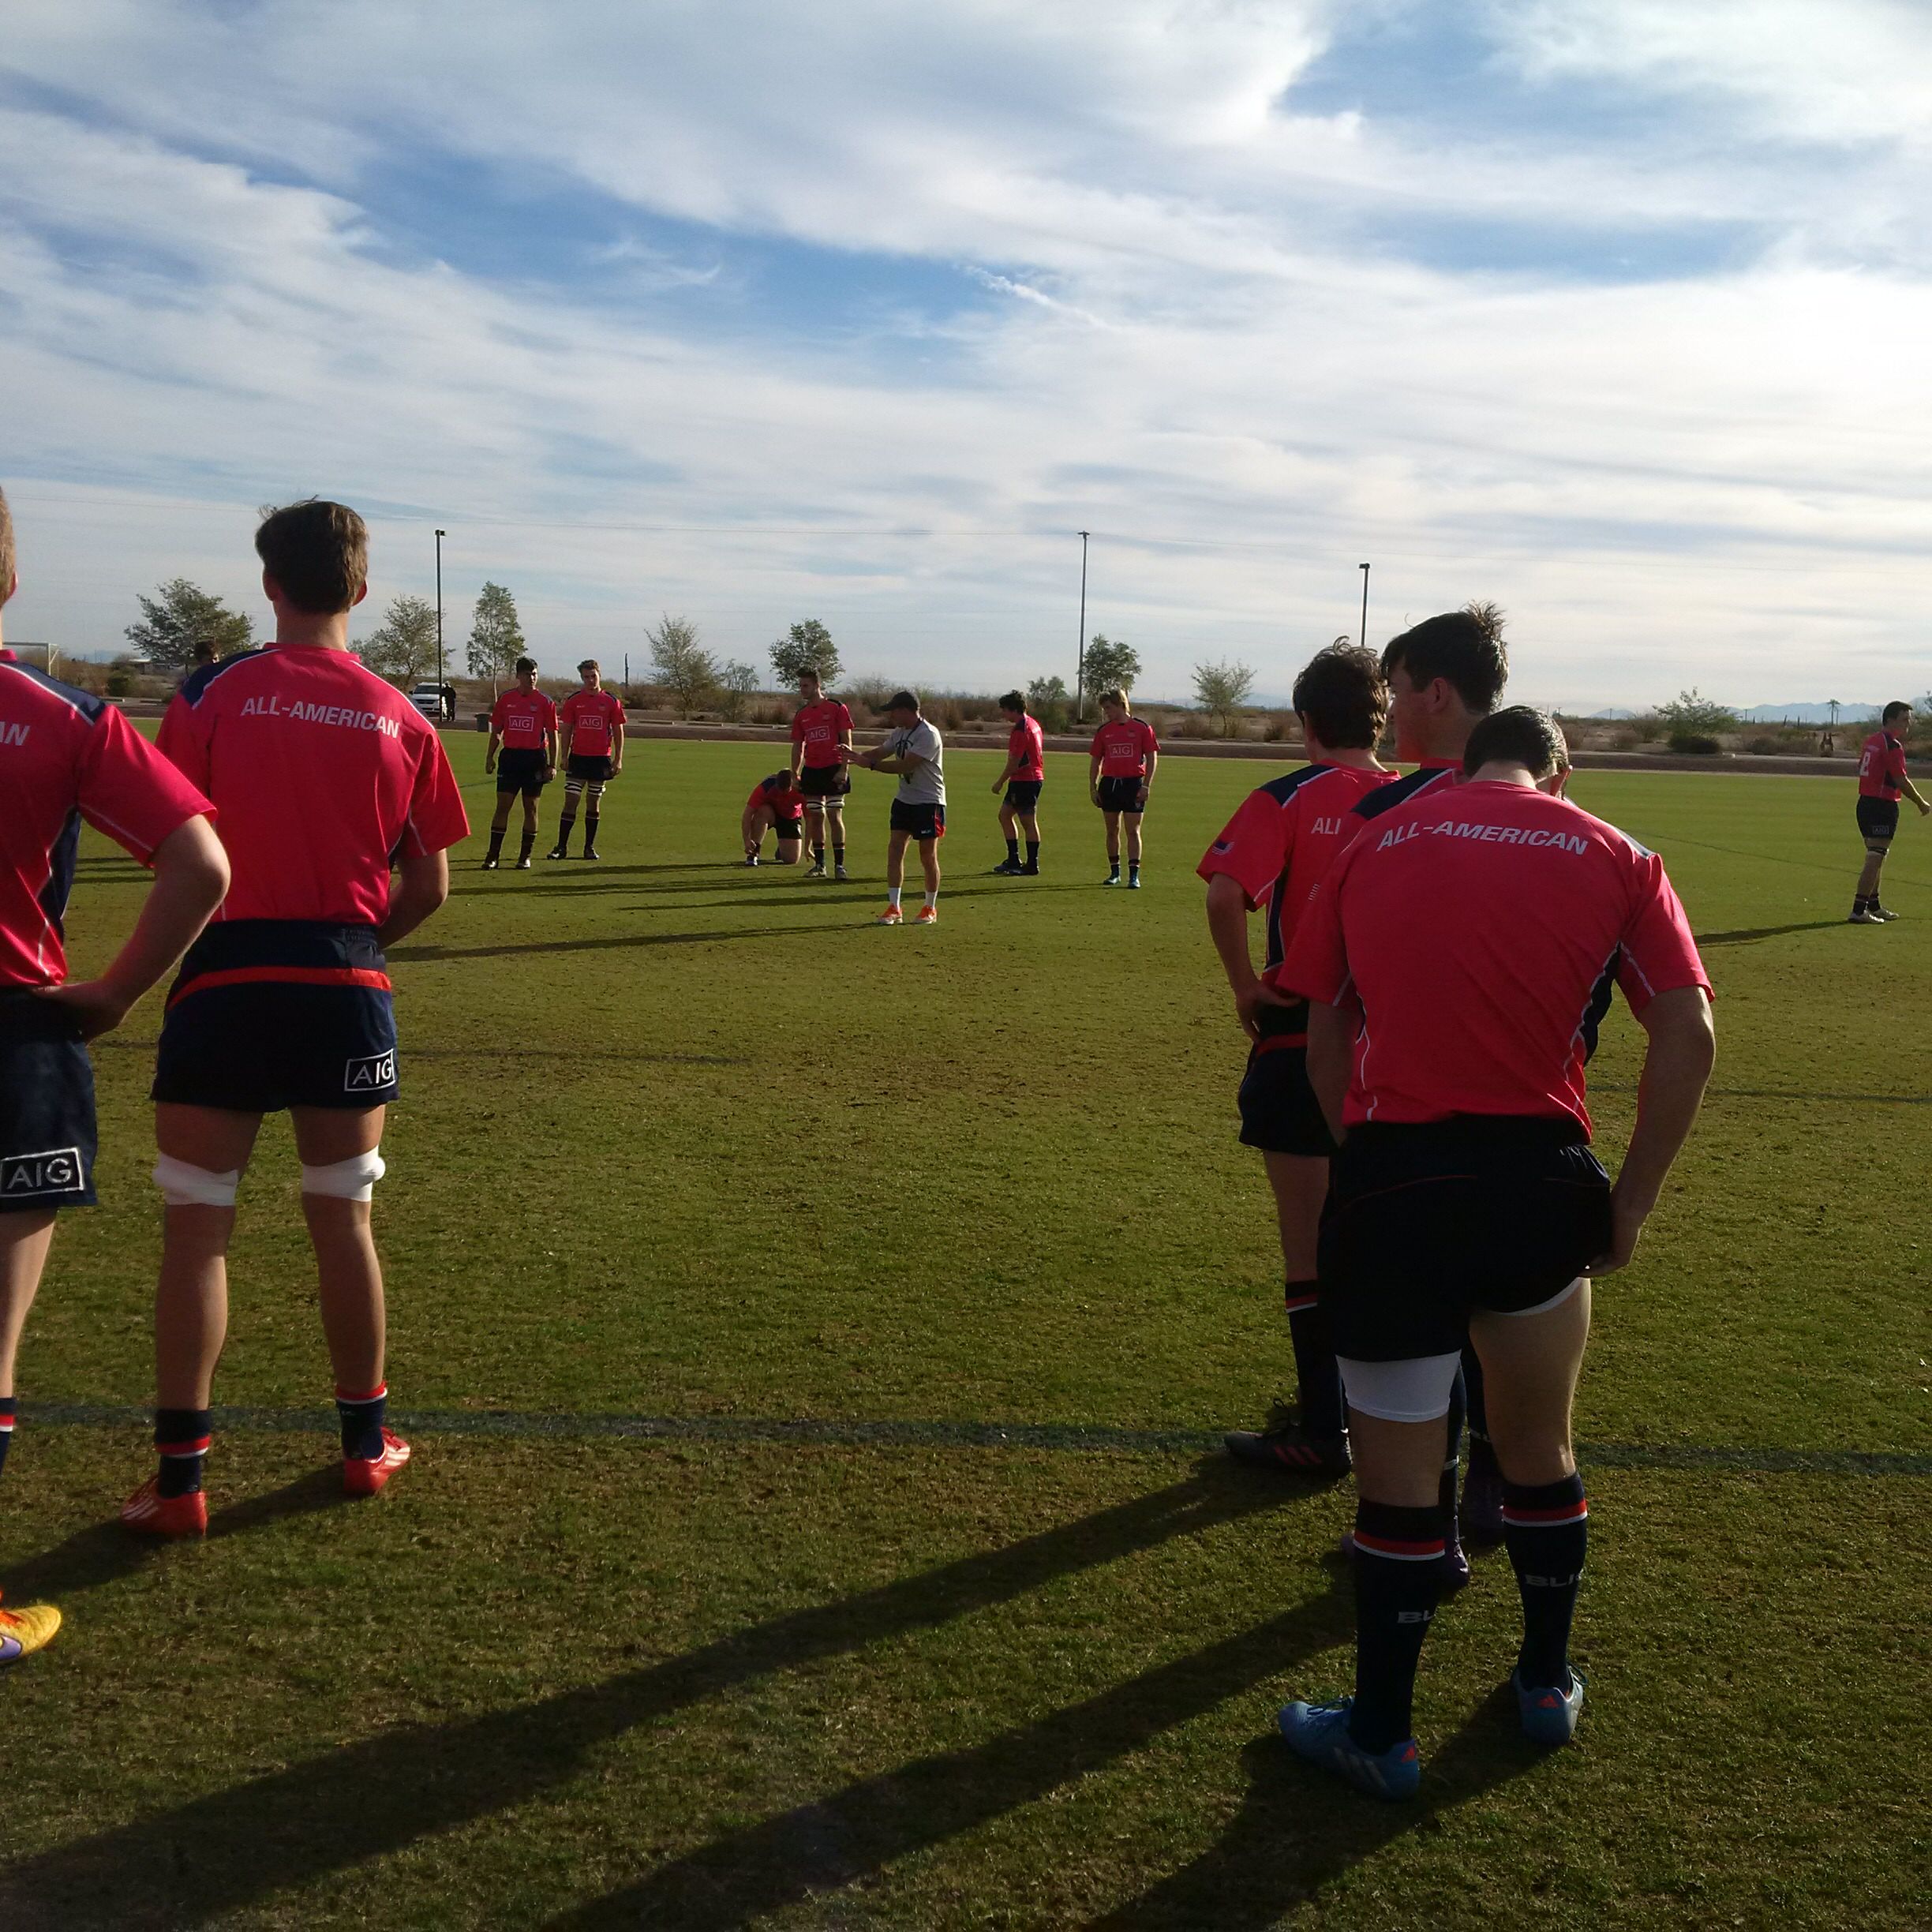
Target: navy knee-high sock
182	1436
7	1418
1398	1580
1546	1529
1320	1380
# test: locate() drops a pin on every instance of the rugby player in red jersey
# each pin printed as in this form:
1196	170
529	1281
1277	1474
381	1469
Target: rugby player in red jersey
1445	676
324	778
821	738
1467	1206
1272	854
1120	775
776	806
524	724
1021	781
593	722
1881	783
66	757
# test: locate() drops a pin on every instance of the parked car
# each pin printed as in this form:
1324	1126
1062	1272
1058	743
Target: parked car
434	701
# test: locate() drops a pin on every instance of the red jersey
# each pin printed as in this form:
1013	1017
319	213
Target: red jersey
1122	749
64	757
1280	844
777	793
1026	748
323	774
593	718
520	719
1533	910
1881	767
818	727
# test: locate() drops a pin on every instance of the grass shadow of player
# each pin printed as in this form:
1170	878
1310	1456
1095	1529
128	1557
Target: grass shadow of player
220	1854
1298	1829
602	943
849	1837
104	1552
1748	935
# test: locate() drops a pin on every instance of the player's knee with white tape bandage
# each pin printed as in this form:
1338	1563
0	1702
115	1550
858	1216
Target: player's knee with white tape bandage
595	789
353	1179
183	1184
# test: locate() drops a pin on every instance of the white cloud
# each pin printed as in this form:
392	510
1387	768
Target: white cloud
1713	478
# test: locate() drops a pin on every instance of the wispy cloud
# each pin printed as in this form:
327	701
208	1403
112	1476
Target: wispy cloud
1620	320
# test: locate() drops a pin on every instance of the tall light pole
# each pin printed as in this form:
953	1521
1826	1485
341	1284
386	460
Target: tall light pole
1364	624
1079	660
441	535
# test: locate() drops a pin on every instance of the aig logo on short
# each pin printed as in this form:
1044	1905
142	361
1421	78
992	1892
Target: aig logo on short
58	1171
371	1074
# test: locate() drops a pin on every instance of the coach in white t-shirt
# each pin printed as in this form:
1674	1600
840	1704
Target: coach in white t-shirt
913	751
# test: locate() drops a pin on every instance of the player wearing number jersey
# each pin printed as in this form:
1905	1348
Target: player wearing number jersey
1271	854
593	725
325	778
1466	1205
821	738
1120	776
523	722
1882	783
1025	774
67	759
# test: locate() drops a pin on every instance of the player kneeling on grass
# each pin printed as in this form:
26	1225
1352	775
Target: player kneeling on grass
64	757
322	776
1021	780
1881	783
1120	775
524	722
915	752
1273	853
1465	1203
775	806
593	722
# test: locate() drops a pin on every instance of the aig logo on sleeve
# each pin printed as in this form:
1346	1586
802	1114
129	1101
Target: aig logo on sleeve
371	1074
58	1171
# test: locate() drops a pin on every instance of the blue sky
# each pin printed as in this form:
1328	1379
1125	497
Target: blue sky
1611	310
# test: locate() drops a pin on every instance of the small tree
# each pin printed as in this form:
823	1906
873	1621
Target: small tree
1107	666
689	673
1222	689
1702	717
1046	699
181	625
495	636
402	647
738	683
806	646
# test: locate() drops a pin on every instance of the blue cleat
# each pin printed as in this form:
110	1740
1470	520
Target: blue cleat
1549	1716
1320	1733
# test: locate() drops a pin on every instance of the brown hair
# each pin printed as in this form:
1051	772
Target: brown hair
8	562
1897	708
1464	647
1343	697
317	552
1521	734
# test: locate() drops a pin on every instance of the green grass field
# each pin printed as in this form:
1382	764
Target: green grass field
687	1142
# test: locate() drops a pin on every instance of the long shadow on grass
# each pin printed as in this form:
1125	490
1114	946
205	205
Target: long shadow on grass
220	1854
603	944
1747	935
842	1839
1298	1831
105	1552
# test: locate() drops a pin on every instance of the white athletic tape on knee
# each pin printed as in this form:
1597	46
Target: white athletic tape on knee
595	788
183	1184
1414	1390
353	1179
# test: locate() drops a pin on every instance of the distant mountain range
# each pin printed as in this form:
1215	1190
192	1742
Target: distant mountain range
1849	712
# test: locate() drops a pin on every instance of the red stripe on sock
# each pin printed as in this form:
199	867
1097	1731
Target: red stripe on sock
349	1395
1545	1519
185	1448
1389	1546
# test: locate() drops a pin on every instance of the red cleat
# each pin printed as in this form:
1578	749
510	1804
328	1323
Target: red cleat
362	1476
149	1513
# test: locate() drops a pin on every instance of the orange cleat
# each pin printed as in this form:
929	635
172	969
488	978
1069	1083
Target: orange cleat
362	1476
892	916
926	915
149	1513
